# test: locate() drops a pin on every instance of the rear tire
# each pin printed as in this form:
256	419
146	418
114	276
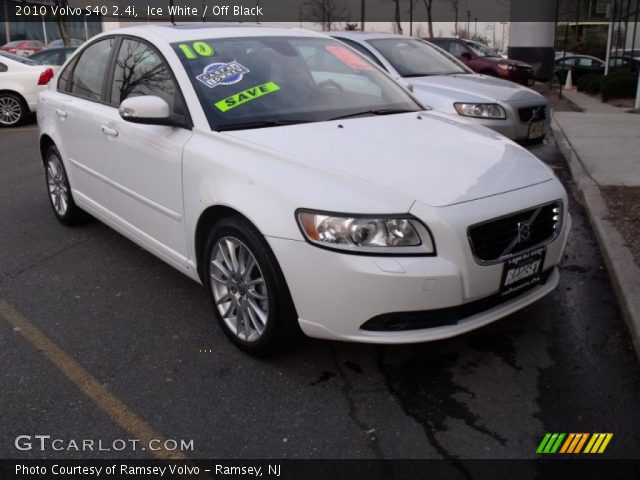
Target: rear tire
59	190
13	110
250	297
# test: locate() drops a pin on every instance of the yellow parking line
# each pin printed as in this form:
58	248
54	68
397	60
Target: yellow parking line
88	385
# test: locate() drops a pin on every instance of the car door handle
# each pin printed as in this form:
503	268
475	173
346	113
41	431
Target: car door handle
112	132
61	113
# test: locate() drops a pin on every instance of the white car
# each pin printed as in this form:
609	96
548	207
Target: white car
303	187
442	82
21	80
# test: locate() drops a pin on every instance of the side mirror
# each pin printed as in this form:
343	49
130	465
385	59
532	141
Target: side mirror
149	110
465	56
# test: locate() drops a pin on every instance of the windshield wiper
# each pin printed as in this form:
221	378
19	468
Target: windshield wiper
257	124
380	111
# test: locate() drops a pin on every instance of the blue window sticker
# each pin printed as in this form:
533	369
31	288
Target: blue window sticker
216	74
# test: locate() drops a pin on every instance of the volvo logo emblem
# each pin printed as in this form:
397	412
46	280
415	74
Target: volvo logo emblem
524	231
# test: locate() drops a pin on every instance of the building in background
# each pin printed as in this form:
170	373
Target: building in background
46	30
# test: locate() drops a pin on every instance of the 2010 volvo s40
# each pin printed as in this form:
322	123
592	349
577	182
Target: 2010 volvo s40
300	184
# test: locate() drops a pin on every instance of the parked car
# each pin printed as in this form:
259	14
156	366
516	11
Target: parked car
625	60
579	65
483	59
73	42
23	47
445	84
53	56
302	186
21	80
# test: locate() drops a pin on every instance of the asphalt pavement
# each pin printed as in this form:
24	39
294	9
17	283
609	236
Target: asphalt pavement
108	317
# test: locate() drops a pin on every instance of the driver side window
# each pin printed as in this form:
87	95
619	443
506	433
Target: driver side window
140	71
456	49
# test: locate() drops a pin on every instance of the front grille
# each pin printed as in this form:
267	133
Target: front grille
531	114
502	237
402	321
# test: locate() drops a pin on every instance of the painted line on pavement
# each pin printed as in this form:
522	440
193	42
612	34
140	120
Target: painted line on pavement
89	385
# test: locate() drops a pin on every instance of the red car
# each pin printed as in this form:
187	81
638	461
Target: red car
482	59
23	47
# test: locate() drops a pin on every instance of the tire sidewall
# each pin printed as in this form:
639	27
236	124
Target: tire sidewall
69	215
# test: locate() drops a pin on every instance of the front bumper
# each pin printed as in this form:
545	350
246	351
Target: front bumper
512	127
335	294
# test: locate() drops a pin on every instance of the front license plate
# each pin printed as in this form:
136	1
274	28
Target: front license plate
536	130
522	271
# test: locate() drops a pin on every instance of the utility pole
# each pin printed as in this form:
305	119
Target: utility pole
411	18
494	34
468	20
475	28
362	15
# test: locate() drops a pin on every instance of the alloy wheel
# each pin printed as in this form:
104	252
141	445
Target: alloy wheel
10	110
239	289
57	183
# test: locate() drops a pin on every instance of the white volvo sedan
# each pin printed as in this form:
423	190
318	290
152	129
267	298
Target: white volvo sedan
21	80
300	184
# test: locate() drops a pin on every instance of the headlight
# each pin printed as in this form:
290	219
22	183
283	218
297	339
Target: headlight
480	110
395	235
506	66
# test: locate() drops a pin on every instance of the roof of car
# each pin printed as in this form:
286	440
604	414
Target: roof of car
577	55
366	35
195	31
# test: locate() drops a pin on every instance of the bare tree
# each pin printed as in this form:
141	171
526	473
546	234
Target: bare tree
396	17
141	72
428	4
455	6
62	26
327	12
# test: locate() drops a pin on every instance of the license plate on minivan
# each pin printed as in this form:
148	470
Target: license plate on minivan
536	130
522	271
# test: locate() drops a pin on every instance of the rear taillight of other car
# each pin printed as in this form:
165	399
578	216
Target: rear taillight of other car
45	76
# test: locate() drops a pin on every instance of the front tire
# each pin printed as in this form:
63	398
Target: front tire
60	197
247	288
13	110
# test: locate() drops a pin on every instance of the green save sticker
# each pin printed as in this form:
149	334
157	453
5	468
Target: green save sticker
246	96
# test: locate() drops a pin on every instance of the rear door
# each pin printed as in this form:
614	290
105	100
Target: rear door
80	112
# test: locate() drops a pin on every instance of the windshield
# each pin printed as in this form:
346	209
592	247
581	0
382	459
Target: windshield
415	58
249	82
483	50
17	58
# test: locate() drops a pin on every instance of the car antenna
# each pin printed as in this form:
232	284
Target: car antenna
173	22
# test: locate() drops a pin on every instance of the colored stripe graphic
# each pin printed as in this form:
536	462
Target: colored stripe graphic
574	443
544	441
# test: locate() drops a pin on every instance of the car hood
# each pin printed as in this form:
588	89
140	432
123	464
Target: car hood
427	157
466	87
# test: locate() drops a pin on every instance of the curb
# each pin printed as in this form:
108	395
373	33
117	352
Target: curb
623	271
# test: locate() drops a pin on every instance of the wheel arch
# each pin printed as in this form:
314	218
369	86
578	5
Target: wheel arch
14	92
45	142
208	218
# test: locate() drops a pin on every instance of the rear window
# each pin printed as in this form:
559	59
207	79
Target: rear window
17	58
